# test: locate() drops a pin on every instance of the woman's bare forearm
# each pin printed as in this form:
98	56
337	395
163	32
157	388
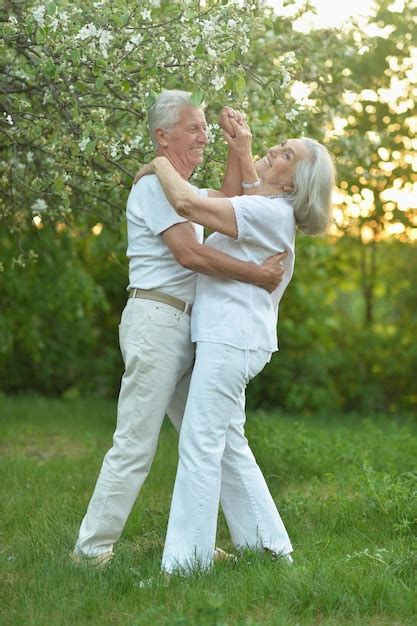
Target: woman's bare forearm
232	181
176	189
249	173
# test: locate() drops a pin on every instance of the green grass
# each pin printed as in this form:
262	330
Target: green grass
345	488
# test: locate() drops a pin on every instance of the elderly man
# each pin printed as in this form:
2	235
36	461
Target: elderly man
166	252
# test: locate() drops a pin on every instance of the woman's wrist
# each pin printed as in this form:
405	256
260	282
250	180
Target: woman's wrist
249	174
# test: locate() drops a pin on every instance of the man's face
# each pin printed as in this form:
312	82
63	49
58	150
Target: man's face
185	141
280	162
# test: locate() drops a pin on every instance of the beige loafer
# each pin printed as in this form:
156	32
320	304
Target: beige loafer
222	555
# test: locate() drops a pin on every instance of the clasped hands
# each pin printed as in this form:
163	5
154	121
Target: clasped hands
236	130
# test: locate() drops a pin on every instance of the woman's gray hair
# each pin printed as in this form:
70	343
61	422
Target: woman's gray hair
166	111
314	179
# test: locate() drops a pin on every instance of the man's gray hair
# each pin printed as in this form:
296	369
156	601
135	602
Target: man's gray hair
314	179
166	111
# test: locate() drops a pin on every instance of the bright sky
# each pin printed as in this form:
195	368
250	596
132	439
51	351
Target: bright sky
329	12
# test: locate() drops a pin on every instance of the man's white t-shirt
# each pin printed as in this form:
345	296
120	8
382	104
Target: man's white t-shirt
152	264
237	313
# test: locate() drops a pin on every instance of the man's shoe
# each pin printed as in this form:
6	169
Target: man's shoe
161	581
282	558
100	561
221	555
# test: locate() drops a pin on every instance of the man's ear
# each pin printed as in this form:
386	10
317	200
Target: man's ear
161	136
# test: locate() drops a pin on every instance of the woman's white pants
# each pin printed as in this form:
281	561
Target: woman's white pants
214	453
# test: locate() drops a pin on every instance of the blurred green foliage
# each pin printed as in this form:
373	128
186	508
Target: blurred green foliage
59	318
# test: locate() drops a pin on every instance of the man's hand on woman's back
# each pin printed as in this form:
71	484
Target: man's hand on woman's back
272	271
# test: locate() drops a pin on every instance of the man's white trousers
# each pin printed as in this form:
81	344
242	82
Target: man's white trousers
158	356
216	463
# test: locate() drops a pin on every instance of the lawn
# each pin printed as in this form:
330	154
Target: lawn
345	487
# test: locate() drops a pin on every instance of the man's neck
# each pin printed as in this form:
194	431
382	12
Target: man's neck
182	170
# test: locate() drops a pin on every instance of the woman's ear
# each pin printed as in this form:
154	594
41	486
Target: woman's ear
288	188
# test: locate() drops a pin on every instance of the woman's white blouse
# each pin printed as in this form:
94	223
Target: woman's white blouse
236	313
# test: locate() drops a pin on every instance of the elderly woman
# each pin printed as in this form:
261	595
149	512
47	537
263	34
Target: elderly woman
234	326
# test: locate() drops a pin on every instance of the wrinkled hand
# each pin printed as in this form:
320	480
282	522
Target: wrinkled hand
227	114
147	169
272	271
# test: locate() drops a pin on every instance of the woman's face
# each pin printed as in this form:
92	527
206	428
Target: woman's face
279	164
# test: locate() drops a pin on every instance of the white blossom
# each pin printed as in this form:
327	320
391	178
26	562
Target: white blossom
208	27
114	149
39	205
136	141
13	20
63	16
29	156
231	23
104	40
218	82
54	23
127	149
245	45
291	115
89	30
8	119
39	14
286	79
290	58
146	14
211	132
83	143
211	52
136	39
129	46
156	3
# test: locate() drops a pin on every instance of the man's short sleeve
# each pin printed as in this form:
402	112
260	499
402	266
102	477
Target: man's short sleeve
263	221
153	203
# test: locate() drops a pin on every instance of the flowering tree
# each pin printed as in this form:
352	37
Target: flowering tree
80	78
78	83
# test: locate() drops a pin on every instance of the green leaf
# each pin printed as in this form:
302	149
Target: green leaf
51	8
90	147
40	36
240	84
197	97
100	82
200	49
230	57
50	68
125	17
75	56
229	84
59	184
